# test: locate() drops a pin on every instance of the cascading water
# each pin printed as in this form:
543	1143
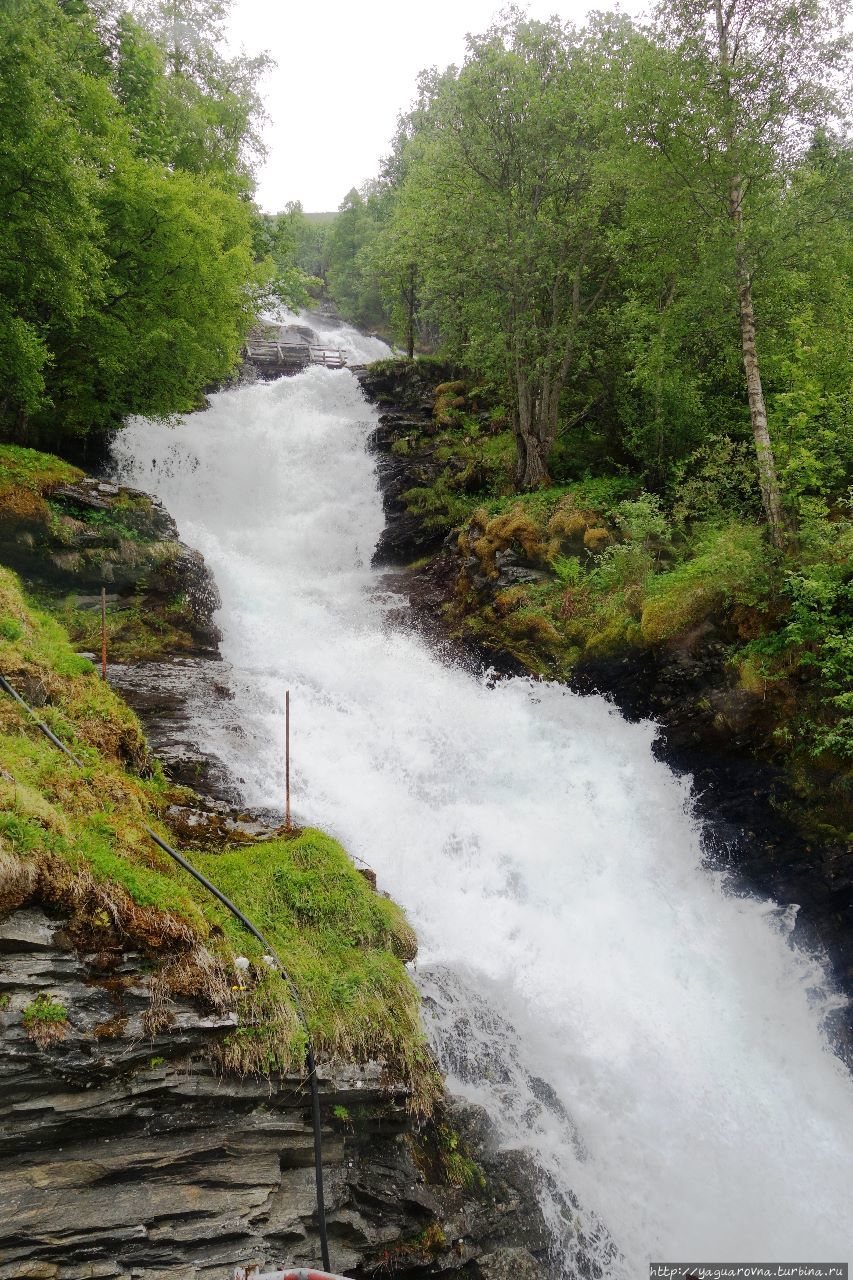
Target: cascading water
655	1043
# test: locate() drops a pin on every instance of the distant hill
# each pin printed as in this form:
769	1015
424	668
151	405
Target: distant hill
321	217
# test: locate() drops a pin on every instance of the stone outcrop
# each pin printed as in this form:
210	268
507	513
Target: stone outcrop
404	395
76	538
124	1151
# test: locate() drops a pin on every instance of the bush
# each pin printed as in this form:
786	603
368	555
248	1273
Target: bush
719	478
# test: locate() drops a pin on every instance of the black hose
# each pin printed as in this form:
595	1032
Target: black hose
41	724
291	986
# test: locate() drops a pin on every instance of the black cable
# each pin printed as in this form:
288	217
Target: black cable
41	724
291	986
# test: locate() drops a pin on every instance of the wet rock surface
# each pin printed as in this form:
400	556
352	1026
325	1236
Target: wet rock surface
162	695
127	1153
407	403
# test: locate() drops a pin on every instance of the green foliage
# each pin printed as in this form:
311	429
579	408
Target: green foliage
278	238
22	468
349	246
127	279
511	242
727	566
815	638
557	214
43	1009
717	479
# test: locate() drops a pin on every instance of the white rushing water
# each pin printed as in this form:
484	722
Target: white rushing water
654	1042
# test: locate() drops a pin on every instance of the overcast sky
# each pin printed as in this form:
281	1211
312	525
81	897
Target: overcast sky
344	71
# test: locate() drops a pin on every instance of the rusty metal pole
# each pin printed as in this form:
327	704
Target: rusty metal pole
103	633
287	822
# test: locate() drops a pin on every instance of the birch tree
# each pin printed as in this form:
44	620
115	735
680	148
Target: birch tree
730	99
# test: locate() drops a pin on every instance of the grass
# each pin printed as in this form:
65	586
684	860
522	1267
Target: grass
74	840
30	469
135	633
45	1019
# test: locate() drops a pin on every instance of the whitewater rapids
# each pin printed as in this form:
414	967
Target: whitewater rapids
655	1042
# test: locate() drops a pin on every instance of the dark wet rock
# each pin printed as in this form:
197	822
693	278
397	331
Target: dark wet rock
209	823
405	537
85	494
163	694
405	385
508	1264
125	1152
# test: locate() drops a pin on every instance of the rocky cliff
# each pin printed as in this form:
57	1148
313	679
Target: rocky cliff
124	1151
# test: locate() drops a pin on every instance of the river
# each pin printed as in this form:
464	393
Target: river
655	1042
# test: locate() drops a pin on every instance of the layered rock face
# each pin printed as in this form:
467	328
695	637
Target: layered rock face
125	1152
405	396
79	537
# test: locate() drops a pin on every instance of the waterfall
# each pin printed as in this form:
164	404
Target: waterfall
653	1041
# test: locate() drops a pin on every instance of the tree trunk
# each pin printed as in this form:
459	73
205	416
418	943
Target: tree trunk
532	466
21	432
534	436
767	478
410	315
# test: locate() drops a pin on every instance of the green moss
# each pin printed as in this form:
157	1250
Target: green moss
343	944
29	469
135	631
728	566
83	833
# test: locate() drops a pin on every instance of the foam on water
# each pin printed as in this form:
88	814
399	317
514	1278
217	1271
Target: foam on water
653	1041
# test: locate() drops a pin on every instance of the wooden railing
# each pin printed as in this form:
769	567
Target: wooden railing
266	350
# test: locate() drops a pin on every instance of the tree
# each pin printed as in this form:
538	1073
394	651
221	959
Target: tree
729	99
127	278
51	256
509	203
175	245
276	241
350	240
208	109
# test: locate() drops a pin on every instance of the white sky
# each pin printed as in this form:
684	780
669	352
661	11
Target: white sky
345	69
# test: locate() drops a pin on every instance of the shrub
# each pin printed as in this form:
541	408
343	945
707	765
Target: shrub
45	1020
719	478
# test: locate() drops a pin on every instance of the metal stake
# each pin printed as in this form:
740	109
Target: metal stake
103	633
287	822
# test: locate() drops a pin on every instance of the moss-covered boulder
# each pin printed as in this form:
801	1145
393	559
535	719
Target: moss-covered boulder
70	535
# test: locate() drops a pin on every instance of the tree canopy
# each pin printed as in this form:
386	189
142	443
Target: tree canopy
633	234
129	272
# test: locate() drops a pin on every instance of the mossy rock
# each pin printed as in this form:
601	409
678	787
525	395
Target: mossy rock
75	840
